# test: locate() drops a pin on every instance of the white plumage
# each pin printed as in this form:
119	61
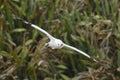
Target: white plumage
55	43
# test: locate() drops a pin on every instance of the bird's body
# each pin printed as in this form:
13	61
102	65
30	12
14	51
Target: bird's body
55	43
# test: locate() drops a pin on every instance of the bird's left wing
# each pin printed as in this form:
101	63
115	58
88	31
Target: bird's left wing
79	51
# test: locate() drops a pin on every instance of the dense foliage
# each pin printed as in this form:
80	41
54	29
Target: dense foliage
92	26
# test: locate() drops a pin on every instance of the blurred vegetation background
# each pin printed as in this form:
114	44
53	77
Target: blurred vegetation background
92	26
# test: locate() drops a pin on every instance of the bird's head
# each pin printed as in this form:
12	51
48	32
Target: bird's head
55	43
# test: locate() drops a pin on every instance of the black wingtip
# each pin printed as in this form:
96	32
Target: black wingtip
22	20
93	59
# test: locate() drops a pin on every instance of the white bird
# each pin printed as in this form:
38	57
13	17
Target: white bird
55	43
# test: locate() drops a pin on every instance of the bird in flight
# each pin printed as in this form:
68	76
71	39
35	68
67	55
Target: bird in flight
55	43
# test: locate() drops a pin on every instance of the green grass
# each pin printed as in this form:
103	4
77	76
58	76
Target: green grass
90	25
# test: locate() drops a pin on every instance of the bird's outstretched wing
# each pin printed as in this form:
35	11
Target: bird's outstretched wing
36	27
79	51
43	31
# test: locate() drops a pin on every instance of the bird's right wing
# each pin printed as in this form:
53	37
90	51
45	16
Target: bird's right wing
43	31
79	51
35	26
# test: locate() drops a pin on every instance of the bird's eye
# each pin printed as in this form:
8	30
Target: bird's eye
58	44
61	45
